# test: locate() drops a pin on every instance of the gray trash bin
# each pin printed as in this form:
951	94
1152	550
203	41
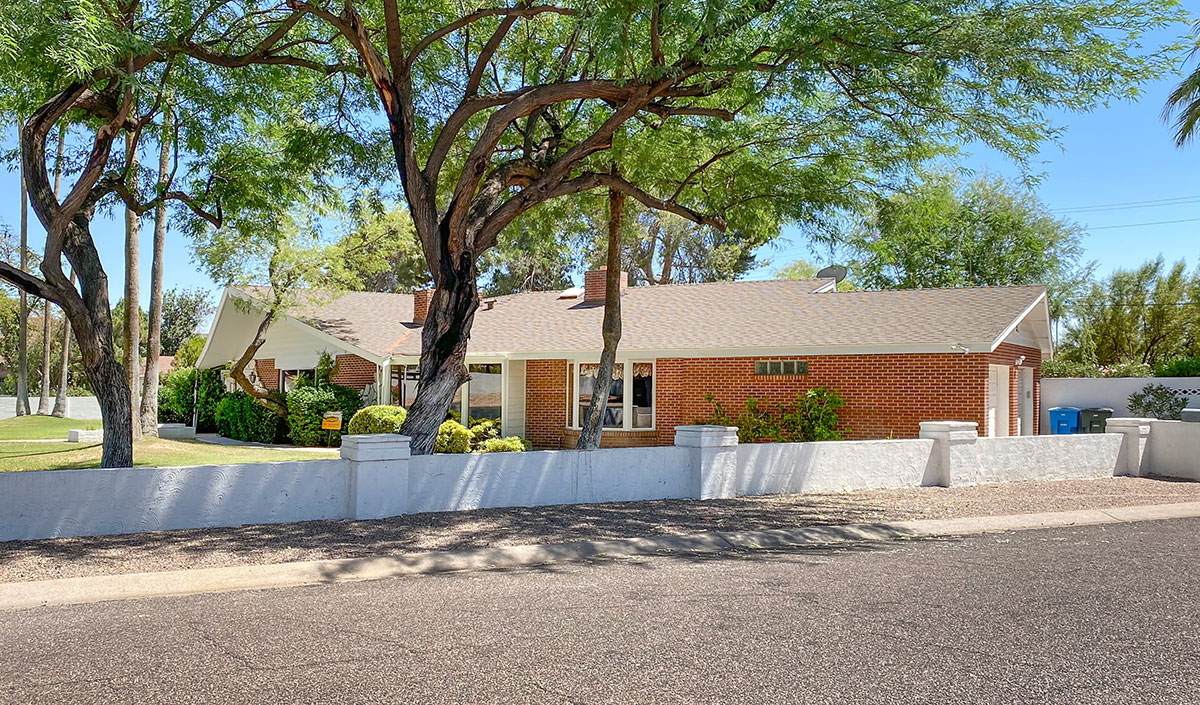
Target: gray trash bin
1094	420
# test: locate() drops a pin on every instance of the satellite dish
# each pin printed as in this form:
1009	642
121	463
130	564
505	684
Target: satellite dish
836	272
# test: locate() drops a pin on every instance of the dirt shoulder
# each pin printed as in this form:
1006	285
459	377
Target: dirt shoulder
280	543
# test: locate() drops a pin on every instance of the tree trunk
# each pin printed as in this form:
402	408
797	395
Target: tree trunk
443	351
273	402
149	408
593	418
132	309
23	311
47	342
62	403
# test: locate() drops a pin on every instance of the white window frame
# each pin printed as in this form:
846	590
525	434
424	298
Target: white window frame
574	414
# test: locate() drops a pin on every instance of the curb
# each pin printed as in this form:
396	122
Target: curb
102	588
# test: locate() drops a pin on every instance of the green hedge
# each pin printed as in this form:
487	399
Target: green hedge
241	417
1179	367
209	391
813	416
381	418
508	444
307	406
175	397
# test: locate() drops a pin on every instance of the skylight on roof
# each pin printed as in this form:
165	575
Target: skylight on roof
573	293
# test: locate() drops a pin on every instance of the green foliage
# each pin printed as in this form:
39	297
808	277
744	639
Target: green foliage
811	417
1179	367
943	233
380	253
183	310
176	396
1060	367
209	390
508	444
380	418
242	418
307	407
1148	315
188	352
452	437
325	369
1157	401
483	430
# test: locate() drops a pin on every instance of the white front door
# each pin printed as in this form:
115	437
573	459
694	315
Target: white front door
1025	401
997	409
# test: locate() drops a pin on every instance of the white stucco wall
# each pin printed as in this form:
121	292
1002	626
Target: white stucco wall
1106	392
454	482
1173	449
1034	458
776	468
44	504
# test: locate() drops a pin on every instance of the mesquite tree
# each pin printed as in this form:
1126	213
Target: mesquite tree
494	109
103	69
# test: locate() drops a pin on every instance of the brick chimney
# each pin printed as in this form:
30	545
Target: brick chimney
421	299
593	284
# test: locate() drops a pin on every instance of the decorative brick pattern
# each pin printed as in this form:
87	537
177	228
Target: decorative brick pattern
354	372
268	376
546	402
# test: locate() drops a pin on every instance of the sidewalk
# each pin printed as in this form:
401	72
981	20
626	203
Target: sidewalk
494	528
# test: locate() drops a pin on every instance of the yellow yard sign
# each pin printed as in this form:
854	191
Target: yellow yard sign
332	421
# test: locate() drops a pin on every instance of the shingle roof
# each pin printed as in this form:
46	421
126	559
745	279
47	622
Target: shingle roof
713	316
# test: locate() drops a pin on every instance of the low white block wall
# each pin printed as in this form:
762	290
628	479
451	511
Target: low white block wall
52	503
1173	449
1106	392
1035	458
781	468
439	483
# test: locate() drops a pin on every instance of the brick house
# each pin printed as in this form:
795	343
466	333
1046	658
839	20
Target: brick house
897	357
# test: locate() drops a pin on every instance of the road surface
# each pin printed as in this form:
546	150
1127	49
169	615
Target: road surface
1103	614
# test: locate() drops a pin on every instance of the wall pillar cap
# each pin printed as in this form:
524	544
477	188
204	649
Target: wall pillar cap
944	426
706	436
1119	424
375	446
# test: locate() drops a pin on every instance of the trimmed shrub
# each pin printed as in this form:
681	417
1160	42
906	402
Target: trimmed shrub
508	444
377	419
452	437
484	430
1179	367
1157	401
209	391
241	417
307	407
176	397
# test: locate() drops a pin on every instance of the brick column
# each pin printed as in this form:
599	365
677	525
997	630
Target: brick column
378	474
714	458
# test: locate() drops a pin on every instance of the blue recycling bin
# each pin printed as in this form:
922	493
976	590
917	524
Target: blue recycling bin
1064	419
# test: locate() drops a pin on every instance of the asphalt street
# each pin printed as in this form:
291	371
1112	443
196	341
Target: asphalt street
1102	614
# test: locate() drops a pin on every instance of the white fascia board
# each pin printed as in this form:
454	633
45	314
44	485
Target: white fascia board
1040	301
978	346
212	329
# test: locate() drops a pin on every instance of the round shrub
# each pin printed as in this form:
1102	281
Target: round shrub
508	444
307	407
452	437
377	419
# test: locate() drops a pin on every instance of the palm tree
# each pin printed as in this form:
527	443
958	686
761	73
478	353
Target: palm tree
1183	105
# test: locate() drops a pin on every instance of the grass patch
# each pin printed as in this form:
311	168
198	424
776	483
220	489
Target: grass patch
161	452
39	427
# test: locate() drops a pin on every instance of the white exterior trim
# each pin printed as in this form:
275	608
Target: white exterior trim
1048	348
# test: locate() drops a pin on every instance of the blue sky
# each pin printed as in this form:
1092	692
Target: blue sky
1120	154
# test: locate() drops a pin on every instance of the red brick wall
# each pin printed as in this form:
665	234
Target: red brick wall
354	372
268	376
545	402
886	395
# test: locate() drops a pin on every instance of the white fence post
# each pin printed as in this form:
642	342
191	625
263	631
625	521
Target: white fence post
714	457
1133	446
378	474
945	434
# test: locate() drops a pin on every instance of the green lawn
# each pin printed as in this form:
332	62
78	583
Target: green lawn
33	427
17	455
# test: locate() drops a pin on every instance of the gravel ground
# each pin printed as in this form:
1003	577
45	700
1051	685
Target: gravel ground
279	543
